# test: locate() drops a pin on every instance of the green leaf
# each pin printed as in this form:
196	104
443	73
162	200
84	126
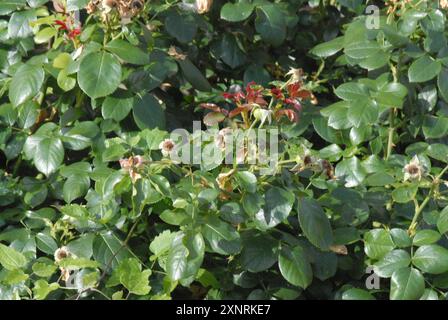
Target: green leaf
129	273
362	49
423	69
75	187
435	127
228	50
392	95
109	250
377	243
392	262
11	259
42	289
351	171
407	284
424	237
270	23
148	113
235	12
49	154
352	91
259	252
127	52
442	83
181	26
357	294
221	236
294	267
25	83
176	264
77	263
438	151
247	181
431	259
442	221
328	48
73	5
8	6
194	76
363	112
99	74
404	193
19	24
314	223
46	243
117	107
278	205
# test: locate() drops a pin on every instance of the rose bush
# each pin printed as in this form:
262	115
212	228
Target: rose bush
95	205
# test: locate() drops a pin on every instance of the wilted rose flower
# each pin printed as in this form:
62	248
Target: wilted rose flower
413	170
203	6
166	146
61	253
131	164
220	141
223	180
172	52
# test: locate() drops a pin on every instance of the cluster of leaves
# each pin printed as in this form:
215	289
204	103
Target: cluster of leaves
91	208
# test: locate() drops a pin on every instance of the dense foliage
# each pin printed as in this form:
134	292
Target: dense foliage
93	206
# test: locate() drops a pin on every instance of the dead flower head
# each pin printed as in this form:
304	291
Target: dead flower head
413	170
166	146
222	137
132	164
203	6
60	254
172	52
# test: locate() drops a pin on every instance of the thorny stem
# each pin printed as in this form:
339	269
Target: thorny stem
419	208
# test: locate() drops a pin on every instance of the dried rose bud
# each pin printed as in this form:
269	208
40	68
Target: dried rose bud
203	6
166	146
413	170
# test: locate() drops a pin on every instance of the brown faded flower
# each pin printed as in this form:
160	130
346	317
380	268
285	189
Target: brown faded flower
172	52
413	170
223	180
60	254
220	141
131	164
166	146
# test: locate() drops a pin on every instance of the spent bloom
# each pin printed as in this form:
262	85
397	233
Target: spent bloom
413	170
132	164
60	254
166	146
